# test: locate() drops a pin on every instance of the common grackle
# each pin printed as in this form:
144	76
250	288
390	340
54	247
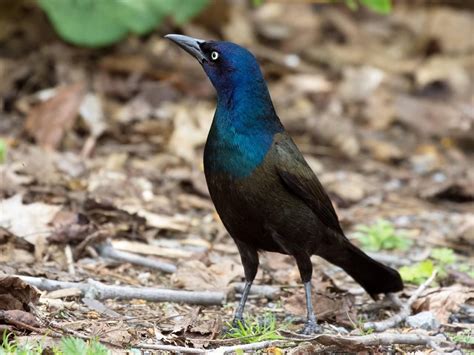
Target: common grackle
264	191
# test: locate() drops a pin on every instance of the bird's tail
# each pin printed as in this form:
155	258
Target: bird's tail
372	275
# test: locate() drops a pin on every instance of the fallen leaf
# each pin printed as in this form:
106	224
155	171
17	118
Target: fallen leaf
195	275
50	120
16	294
147	249
191	126
326	307
460	190
444	302
34	221
15	315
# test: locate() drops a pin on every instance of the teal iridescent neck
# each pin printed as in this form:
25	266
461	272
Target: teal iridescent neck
243	128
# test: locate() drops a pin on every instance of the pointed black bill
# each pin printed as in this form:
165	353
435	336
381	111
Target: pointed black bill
190	45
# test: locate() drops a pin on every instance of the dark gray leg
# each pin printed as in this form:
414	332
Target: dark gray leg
306	270
311	326
249	258
239	312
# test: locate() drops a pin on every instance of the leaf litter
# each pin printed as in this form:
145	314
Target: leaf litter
108	146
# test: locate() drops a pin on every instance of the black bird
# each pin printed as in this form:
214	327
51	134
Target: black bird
267	196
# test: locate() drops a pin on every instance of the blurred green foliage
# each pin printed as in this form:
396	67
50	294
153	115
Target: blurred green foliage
3	151
418	273
381	236
440	258
94	23
379	6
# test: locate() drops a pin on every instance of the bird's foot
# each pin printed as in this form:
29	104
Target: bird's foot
311	327
237	322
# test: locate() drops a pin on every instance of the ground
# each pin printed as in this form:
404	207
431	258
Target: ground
101	150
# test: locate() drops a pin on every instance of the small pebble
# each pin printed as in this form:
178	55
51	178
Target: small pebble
423	320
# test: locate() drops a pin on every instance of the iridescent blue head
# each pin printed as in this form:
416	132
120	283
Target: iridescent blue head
232	69
245	120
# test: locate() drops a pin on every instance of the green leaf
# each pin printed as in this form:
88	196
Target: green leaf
445	256
73	346
96	23
352	4
3	151
380	6
381	236
417	273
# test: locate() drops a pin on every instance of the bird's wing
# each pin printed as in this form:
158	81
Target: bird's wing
300	180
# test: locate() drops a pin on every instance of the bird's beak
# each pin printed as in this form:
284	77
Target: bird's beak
190	45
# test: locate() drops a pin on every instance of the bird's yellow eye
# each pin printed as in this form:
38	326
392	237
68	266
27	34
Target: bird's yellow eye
214	55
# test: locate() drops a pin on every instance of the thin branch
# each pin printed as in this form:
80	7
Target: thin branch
98	290
259	290
248	347
106	250
69	259
172	348
348	343
405	309
379	339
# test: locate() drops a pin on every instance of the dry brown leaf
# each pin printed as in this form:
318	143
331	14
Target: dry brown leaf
195	275
191	126
16	315
147	249
34	221
326	307
49	121
444	302
16	294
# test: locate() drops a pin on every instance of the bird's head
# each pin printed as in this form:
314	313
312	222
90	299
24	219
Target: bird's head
229	66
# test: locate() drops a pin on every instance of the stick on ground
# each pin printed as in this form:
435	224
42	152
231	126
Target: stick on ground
106	250
98	290
405	309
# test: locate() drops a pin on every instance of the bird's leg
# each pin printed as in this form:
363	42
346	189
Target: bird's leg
249	258
239	312
311	325
306	270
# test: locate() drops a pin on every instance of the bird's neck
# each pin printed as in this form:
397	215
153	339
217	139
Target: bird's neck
242	131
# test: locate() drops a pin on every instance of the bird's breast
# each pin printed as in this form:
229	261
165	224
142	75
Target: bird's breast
234	153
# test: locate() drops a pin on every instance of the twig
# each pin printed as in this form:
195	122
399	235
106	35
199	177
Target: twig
106	250
19	324
405	309
69	259
98	290
379	339
93	238
248	347
259	290
172	348
350	343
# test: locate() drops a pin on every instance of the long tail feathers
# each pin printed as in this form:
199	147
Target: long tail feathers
372	275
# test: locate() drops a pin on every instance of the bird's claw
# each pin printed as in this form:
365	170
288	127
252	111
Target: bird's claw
238	322
310	328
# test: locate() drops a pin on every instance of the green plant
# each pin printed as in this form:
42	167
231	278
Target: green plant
3	151
468	269
76	346
67	346
440	259
9	346
96	23
255	330
381	236
465	336
418	273
379	6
